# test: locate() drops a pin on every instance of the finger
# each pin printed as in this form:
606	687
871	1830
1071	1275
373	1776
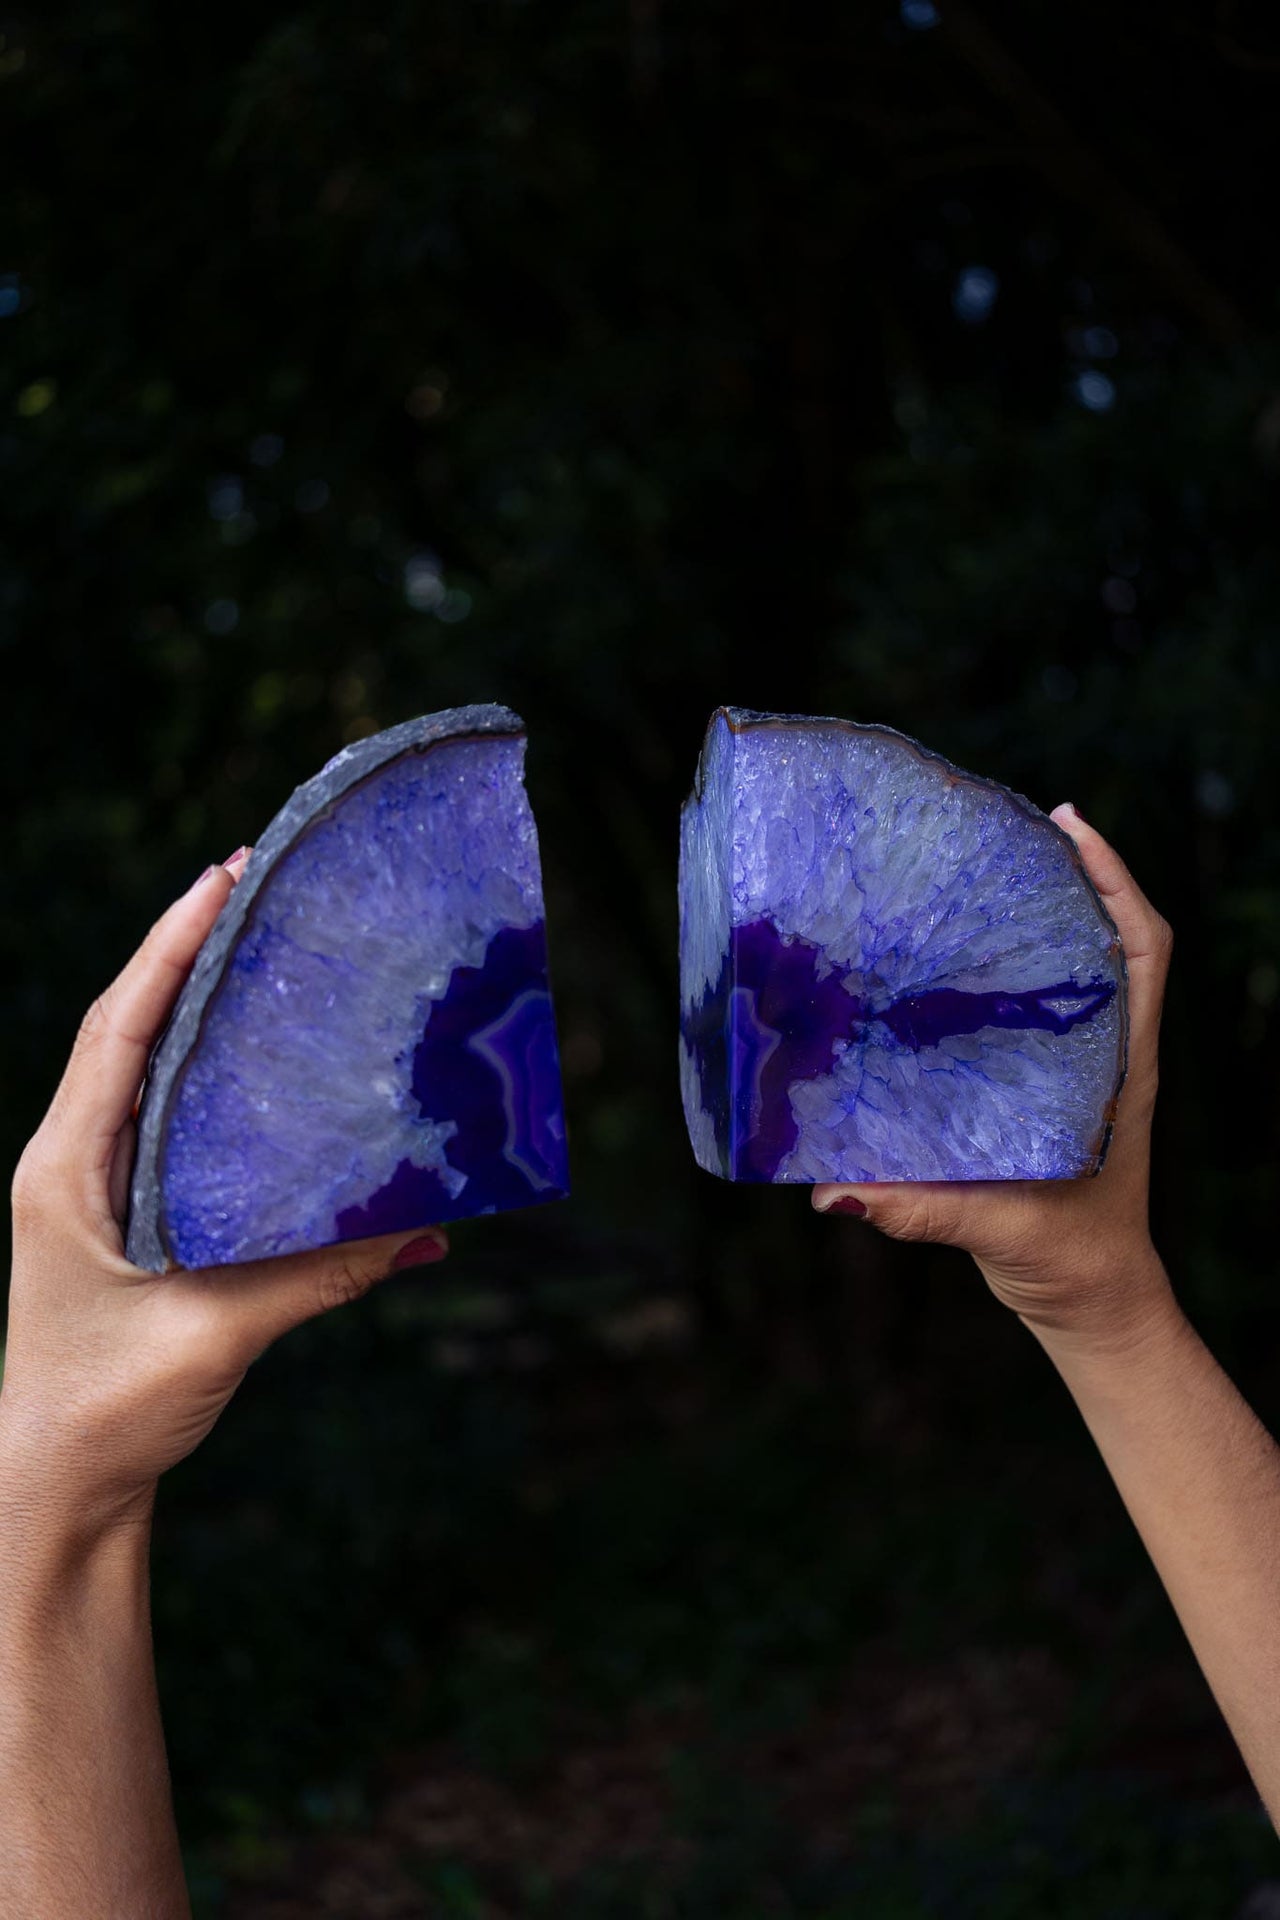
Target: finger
1140	926
988	1218
109	1059
947	1212
266	1298
905	1210
1146	937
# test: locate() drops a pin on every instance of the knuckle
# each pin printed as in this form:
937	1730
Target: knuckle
96	1023
153	949
928	1217
341	1285
912	1220
929	1223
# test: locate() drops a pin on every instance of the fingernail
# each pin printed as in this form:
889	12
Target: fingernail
420	1252
1071	807
239	854
206	875
847	1203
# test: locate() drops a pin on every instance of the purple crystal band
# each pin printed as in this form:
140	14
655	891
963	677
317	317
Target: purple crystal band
791	1016
487	1062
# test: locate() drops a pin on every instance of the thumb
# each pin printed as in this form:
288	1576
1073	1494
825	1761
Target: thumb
914	1210
266	1298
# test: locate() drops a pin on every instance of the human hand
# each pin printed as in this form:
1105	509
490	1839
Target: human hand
1073	1258
113	1374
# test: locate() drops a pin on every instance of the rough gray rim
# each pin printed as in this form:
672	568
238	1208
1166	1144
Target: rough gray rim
145	1243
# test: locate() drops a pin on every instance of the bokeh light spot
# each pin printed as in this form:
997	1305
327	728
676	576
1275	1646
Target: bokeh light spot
1095	391
225	495
1100	343
974	294
424	588
1119	596
455	606
221	616
312	496
37	398
424	402
1215	794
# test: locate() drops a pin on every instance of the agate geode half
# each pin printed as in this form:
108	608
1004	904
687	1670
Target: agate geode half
889	969
366	1042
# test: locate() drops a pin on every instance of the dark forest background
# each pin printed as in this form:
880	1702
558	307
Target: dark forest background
669	1552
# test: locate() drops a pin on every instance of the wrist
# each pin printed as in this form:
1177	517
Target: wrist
1119	1314
1100	1294
56	1515
65	1584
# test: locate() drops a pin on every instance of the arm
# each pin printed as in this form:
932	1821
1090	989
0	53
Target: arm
1197	1471
85	1816
111	1376
1200	1476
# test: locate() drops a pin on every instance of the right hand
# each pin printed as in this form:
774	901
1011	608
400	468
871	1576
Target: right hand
113	1374
1073	1258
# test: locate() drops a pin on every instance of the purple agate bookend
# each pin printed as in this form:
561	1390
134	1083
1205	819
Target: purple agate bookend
366	1042
889	968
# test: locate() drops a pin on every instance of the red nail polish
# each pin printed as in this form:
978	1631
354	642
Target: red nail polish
419	1253
206	875
847	1203
231	858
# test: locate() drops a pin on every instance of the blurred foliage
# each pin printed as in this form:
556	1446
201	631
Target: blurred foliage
897	1645
615	362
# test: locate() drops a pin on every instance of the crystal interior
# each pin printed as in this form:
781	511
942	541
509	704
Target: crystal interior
378	1049
889	969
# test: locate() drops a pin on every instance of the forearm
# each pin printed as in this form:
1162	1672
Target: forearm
1200	1477
86	1819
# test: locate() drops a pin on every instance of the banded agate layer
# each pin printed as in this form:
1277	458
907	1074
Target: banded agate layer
366	1042
889	969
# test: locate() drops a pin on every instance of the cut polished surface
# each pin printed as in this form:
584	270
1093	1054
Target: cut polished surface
366	1043
890	969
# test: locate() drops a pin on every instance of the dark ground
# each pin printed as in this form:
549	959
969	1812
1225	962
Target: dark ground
623	1633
